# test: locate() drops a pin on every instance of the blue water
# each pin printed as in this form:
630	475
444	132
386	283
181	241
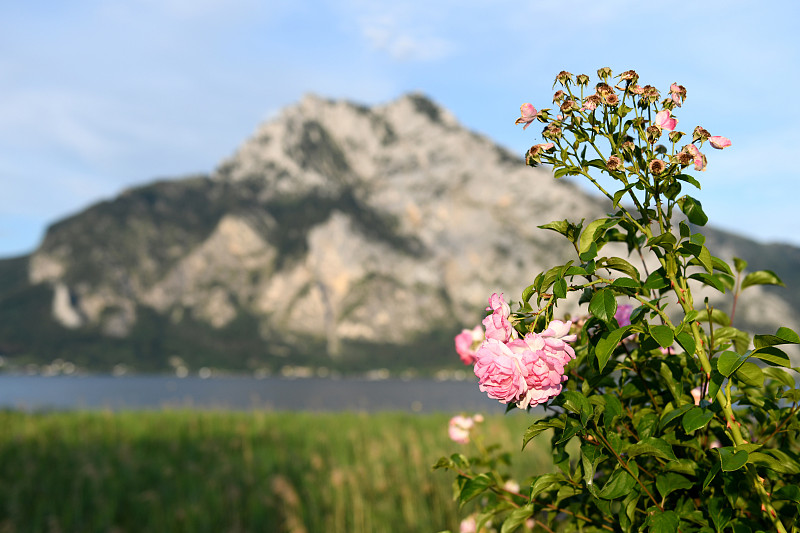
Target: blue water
32	393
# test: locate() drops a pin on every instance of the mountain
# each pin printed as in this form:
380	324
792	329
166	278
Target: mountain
338	235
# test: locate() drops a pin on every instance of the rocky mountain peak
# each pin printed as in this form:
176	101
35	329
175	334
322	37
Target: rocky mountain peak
335	226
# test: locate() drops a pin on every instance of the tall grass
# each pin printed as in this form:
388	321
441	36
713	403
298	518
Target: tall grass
227	472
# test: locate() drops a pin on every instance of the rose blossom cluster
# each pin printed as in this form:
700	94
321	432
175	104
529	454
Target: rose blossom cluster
525	371
605	97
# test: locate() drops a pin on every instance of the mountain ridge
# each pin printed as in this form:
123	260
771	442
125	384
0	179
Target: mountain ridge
336	231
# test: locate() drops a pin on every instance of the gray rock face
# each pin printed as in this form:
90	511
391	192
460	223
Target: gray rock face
334	221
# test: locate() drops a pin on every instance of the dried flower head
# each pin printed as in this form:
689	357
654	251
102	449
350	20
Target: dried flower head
628	146
700	134
613	163
603	89
604	73
653	133
656	166
637	89
582	79
552	132
697	157
650	94
629	75
612	99
563	78
569	106
684	158
559	95
591	102
677	93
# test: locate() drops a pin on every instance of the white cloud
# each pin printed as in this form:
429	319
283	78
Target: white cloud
402	40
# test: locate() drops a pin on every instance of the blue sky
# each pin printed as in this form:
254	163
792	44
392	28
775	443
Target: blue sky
97	96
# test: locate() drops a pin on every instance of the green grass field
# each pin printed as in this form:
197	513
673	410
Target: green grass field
224	472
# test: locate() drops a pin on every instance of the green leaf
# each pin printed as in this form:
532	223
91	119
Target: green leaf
787	492
603	305
761	277
696	418
669	482
782	336
625	283
750	374
663	522
779	375
663	335
728	362
666	241
693	210
618	485
686	341
443	462
772	355
720	512
621	265
540	426
712	280
721	265
565	228
545	483
516	518
613	409
715	383
656	280
560	288
731	460
607	344
688	179
705	258
668	417
475	487
651	446
710	476
717	317
594	231
577	403
739	264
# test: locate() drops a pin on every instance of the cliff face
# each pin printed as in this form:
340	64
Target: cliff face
336	227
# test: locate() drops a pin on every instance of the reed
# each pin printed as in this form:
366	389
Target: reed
223	471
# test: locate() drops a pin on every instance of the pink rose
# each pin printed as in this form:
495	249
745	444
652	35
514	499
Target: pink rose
501	372
623	315
459	428
664	120
528	115
497	325
467	343
719	142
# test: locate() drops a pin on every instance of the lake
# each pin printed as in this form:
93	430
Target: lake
32	393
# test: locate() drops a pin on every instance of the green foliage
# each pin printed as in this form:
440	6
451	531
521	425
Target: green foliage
673	420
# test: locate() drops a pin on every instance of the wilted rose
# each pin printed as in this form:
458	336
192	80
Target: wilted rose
719	142
528	115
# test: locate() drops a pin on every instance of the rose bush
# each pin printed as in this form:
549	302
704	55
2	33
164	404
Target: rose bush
662	415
